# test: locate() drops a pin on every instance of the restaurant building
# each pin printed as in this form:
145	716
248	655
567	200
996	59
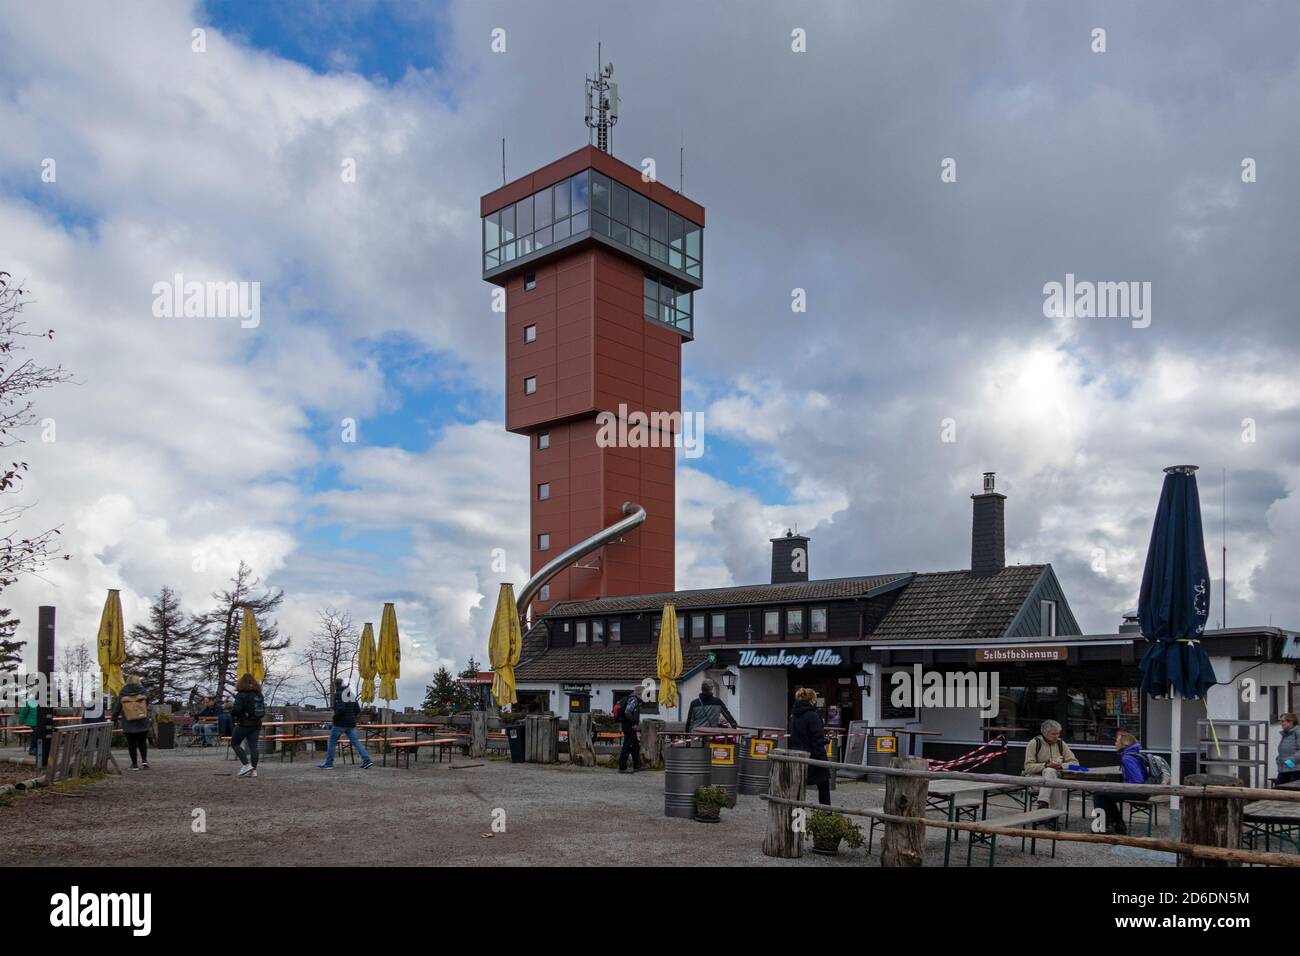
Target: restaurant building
849	638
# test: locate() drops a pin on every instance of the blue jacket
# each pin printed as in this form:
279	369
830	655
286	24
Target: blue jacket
1135	770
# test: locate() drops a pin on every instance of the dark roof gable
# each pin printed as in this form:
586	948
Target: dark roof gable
958	604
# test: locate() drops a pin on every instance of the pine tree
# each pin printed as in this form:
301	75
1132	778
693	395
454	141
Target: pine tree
168	651
221	624
441	693
11	651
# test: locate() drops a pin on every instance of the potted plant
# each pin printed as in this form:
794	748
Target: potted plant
828	829
709	801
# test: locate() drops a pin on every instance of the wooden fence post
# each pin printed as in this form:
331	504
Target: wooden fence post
1211	821
785	779
904	843
478	720
581	753
652	743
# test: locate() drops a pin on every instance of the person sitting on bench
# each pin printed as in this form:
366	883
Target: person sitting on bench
1046	756
1135	771
204	732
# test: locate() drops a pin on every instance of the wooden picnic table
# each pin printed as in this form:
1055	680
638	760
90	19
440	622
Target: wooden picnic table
386	728
942	795
1275	819
1293	785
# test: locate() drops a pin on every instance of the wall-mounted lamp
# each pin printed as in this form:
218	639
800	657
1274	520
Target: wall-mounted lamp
729	681
864	681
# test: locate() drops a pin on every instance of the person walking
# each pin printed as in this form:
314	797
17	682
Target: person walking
807	733
135	710
247	713
628	712
346	710
1288	751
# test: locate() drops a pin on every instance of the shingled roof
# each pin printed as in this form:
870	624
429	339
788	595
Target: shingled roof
730	597
628	662
958	604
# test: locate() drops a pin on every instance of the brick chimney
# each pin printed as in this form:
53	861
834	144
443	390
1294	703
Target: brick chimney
789	558
988	539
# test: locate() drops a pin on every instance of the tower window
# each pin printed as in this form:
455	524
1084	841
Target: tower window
530	385
530	281
544	491
543	542
546	592
543	441
530	333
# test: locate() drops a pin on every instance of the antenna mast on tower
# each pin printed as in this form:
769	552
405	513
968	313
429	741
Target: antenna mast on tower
602	104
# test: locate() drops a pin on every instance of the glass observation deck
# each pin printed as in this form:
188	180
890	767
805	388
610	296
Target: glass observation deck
590	205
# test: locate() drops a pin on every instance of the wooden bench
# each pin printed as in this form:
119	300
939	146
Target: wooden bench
1032	819
406	748
1149	808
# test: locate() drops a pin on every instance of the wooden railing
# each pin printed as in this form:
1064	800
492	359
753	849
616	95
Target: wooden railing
907	785
80	749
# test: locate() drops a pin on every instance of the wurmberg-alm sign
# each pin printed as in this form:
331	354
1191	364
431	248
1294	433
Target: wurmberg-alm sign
822	657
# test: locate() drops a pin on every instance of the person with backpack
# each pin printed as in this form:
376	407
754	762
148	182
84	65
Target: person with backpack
346	710
1046	756
807	733
628	712
1138	767
708	711
1288	751
135	710
248	711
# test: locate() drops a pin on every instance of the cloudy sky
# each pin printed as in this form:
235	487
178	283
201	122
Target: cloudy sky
185	445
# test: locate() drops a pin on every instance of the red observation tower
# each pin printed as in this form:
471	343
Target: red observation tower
599	269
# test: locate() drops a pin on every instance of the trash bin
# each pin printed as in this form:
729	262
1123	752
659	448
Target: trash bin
686	769
724	769
753	763
515	735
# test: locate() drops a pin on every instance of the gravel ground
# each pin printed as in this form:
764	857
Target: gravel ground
294	814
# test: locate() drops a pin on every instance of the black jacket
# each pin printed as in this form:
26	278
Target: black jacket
708	711
345	711
247	704
809	735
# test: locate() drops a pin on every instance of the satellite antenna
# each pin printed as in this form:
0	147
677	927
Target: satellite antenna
602	104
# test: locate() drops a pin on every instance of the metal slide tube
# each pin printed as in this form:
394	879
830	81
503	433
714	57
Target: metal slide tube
635	515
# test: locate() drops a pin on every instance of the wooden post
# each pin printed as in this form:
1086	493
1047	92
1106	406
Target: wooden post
1211	821
652	743
581	752
541	738
904	843
785	779
477	733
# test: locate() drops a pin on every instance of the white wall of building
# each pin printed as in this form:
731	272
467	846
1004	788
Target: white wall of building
761	698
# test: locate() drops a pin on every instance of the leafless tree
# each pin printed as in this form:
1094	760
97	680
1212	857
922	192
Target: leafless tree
20	378
332	651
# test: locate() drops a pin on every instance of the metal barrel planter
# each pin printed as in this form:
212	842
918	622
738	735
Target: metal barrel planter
753	763
724	767
686	769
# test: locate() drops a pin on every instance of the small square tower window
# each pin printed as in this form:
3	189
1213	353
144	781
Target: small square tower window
530	333
530	385
543	542
546	592
543	441
544	491
530	281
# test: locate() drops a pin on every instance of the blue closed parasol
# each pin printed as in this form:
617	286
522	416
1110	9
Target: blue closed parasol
1174	603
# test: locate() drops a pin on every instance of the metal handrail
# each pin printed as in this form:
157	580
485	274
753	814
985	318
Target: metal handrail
635	515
